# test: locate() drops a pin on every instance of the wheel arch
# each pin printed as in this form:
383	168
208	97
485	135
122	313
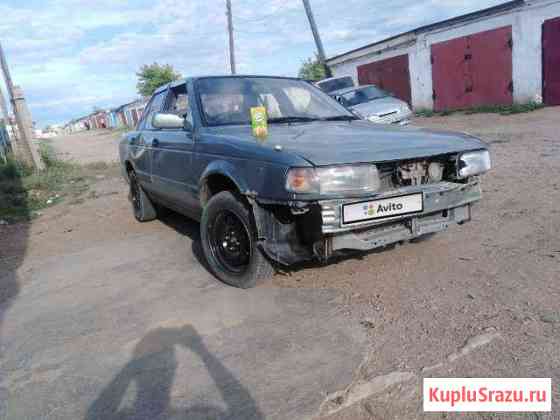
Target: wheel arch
220	176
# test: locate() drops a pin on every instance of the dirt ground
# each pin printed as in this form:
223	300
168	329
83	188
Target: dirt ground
89	146
481	300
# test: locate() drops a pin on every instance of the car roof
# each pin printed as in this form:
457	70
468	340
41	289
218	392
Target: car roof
333	78
348	90
227	76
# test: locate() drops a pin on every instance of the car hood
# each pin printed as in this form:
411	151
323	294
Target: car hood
329	143
380	106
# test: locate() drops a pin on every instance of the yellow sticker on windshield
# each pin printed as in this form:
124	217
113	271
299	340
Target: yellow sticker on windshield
259	121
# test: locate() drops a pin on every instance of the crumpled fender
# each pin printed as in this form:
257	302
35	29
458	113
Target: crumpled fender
221	167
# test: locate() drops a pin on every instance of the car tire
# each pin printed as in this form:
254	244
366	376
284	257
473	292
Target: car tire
229	240
142	207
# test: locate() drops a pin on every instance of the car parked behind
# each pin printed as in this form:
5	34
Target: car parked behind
335	83
374	104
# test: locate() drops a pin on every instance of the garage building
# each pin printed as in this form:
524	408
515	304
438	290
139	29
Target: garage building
498	56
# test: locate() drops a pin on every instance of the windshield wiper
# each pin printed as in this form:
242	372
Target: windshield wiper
281	120
341	118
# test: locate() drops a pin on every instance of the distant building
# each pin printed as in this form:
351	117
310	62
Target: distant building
98	120
127	115
133	112
498	56
77	125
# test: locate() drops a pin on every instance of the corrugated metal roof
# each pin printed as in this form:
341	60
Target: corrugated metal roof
504	7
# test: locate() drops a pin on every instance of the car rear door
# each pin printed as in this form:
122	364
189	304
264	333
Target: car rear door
141	142
172	154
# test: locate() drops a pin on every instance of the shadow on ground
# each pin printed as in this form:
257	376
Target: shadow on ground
153	368
13	244
191	229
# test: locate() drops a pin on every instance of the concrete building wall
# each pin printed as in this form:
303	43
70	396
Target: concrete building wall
526	23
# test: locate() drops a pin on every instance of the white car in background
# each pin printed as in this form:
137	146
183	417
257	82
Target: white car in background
335	83
374	104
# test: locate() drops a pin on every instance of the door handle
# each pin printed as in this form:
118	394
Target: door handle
155	143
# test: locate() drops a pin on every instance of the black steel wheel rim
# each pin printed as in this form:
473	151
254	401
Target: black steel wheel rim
230	242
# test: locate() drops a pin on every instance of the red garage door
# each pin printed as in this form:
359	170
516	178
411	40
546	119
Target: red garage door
551	61
391	74
473	70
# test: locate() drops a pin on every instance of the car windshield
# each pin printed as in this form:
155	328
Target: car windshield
228	100
366	94
330	85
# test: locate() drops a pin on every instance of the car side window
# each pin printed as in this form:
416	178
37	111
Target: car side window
153	107
145	111
178	103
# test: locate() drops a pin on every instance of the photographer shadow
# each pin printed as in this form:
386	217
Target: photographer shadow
153	368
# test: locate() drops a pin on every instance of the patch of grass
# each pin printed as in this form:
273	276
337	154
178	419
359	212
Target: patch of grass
97	166
425	112
505	109
13	169
486	109
24	192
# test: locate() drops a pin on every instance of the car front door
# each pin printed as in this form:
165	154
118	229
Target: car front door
172	154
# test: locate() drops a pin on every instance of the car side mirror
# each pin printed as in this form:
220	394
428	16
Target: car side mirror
161	120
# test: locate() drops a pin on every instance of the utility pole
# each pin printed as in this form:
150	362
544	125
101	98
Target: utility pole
317	37
4	108
231	43
25	148
6	118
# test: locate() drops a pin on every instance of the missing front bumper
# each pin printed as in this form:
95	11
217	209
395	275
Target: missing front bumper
437	198
289	237
403	230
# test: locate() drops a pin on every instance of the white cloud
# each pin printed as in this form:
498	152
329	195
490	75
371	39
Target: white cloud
70	55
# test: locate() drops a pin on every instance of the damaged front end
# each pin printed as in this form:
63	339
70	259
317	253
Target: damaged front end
300	231
288	234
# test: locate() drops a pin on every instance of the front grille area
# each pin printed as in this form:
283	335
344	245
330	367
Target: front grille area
416	172
387	118
392	116
399	178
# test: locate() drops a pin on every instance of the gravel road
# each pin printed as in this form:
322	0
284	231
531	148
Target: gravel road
89	146
93	302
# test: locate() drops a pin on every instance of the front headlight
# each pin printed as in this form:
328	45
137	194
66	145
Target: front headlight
474	163
350	179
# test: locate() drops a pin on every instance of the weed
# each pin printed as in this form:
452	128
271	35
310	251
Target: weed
425	112
97	166
505	109
12	169
24	192
485	109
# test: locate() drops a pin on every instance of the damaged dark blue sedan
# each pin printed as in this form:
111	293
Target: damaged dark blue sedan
319	181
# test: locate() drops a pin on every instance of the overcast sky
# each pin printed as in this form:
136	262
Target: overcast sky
72	55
